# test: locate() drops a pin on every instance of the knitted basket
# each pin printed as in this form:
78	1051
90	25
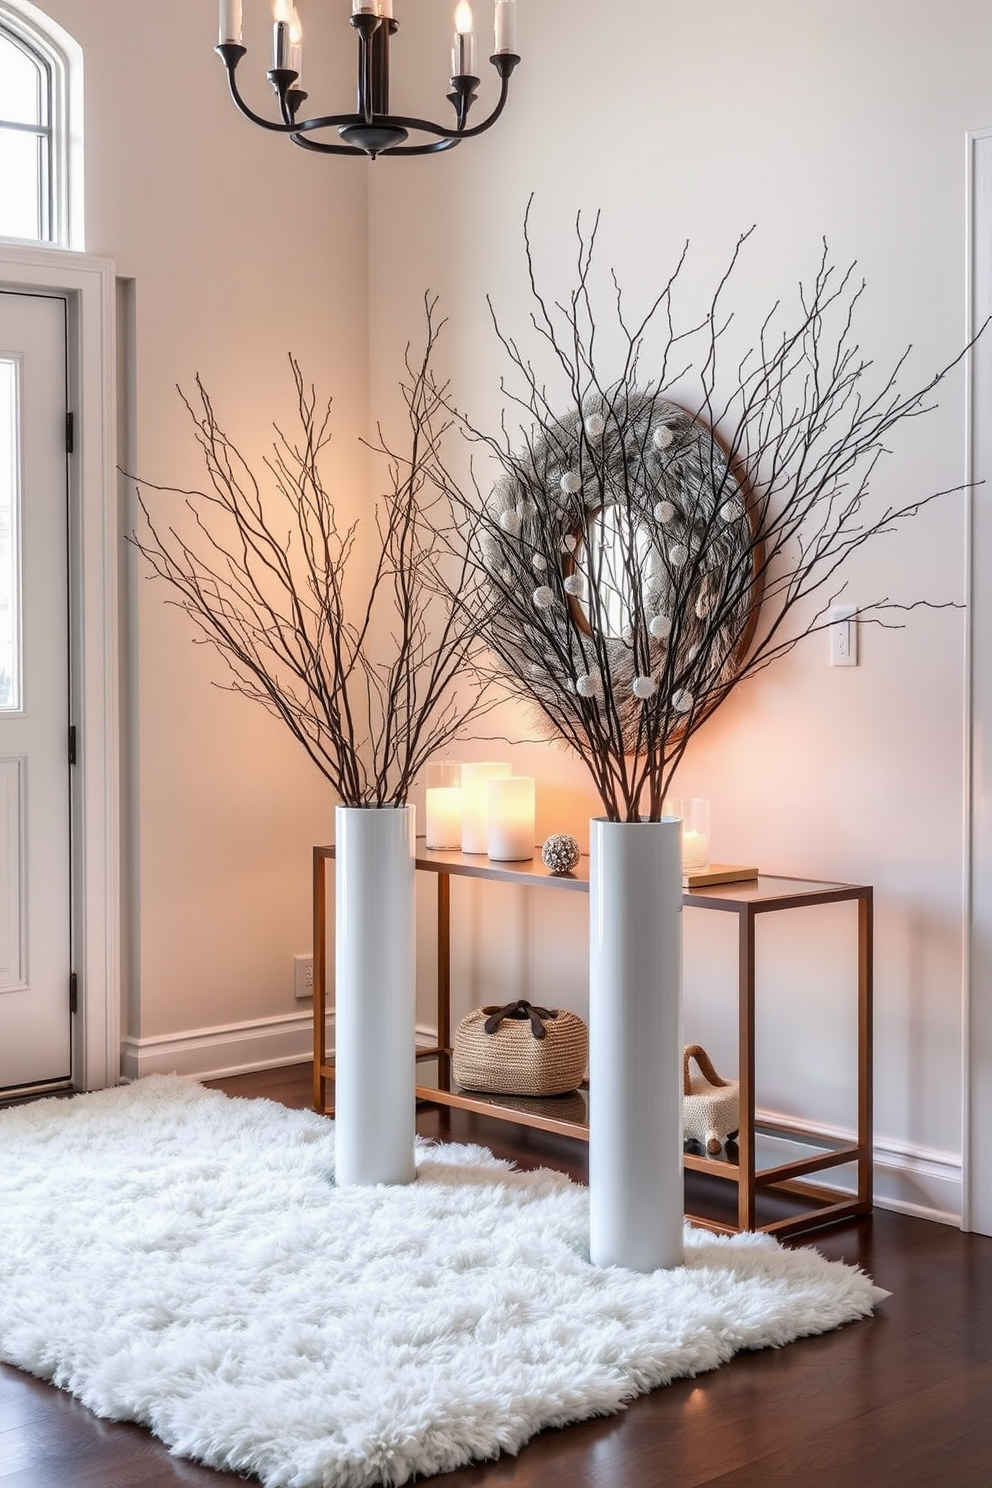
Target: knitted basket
520	1050
710	1105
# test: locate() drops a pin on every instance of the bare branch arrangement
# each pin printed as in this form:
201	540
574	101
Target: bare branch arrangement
263	578
650	543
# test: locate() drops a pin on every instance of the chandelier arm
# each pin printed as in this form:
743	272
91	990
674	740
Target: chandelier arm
366	119
318	145
422	126
231	54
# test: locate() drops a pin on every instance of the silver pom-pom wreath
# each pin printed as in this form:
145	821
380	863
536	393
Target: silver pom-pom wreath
575	585
660	466
644	687
560	853
539	562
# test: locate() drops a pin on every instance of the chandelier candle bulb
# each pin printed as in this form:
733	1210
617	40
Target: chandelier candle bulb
475	802
230	22
463	52
282	15
511	818
506	26
296	47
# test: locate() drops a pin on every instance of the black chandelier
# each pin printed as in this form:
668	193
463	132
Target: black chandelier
371	129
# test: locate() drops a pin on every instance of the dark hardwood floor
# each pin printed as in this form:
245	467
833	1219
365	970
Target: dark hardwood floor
904	1398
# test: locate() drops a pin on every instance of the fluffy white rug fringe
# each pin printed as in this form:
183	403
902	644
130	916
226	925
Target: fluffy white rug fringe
178	1258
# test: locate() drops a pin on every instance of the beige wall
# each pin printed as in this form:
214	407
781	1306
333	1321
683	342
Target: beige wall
843	119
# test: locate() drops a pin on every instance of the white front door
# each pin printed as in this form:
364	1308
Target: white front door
35	1017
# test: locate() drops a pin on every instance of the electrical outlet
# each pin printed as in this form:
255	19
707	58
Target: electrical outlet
302	976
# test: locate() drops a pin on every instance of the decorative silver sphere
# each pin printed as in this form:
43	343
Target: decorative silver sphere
560	853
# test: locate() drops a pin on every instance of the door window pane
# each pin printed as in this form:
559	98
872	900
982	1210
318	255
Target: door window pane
10	668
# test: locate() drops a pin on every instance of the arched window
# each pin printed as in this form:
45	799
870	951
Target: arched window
40	150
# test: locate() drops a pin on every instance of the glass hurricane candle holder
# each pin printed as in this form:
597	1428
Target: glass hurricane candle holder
695	814
443	817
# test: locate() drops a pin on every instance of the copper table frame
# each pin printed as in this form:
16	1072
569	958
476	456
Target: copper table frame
764	895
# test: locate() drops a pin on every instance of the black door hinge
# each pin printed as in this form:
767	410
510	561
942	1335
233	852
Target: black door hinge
73	992
72	743
70	433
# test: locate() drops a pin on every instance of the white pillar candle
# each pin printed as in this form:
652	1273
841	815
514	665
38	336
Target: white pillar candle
511	818
475	803
506	25
444	816
230	21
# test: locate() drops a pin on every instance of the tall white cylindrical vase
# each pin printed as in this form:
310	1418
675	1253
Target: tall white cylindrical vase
374	995
635	1044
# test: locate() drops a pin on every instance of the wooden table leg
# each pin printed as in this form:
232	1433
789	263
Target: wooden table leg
444	979
746	1214
865	1040
319	979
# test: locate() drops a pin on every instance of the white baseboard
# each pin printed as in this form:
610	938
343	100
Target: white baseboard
234	1049
909	1180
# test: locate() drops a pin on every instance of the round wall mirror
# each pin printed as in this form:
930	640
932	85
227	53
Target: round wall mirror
624	543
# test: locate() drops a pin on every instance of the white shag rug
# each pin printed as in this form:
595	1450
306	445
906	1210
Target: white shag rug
182	1259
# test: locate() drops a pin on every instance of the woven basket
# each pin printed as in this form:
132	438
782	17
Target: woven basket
520	1050
710	1105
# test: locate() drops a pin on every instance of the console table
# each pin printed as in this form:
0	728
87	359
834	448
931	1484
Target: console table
769	1156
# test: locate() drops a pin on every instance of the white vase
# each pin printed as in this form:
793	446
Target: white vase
635	1044
374	995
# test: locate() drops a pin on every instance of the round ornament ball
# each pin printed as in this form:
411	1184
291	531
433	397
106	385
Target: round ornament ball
560	853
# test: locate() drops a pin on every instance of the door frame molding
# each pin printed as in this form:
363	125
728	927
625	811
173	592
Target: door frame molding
89	286
977	1030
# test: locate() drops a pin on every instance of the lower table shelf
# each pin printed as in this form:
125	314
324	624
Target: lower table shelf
773	1163
784	1156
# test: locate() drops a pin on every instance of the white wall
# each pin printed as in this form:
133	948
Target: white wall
834	119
